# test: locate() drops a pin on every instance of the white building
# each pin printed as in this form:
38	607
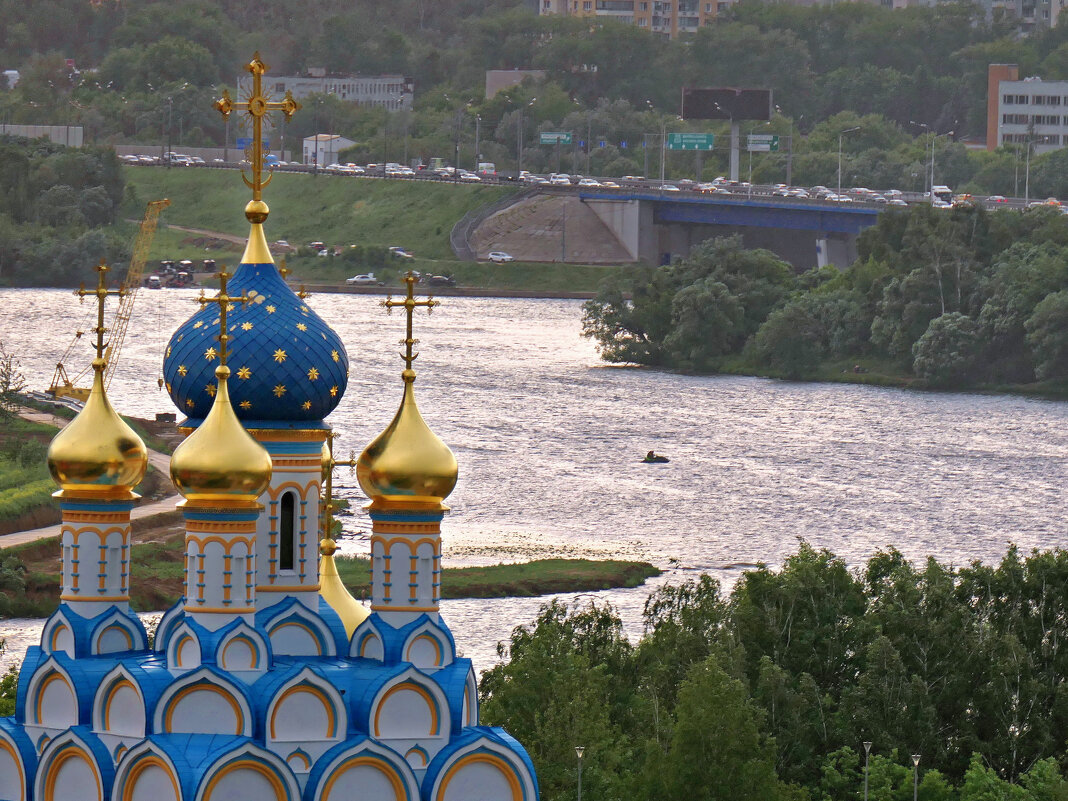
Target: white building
393	92
323	149
1035	111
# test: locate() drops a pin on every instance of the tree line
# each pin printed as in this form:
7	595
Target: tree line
954	298
146	72
769	692
57	209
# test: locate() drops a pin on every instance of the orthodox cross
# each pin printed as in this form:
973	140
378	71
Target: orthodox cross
327	547
257	106
225	303
410	304
102	293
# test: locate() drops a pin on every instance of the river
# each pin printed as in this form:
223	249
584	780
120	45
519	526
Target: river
549	441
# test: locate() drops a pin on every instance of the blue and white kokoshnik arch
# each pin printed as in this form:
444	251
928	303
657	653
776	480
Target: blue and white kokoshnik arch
271	701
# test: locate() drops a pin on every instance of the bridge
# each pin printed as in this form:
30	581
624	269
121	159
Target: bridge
655	226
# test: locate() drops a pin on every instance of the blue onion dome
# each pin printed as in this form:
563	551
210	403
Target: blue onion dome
288	364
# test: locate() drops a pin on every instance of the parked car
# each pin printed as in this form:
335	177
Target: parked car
499	257
363	279
400	253
438	280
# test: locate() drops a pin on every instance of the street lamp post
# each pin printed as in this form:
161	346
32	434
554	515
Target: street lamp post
915	776
478	153
735	136
578	752
867	751
840	135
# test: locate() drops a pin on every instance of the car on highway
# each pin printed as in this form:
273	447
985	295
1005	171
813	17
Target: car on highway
609	185
364	279
438	280
560	179
589	182
469	176
892	193
668	188
499	257
997	200
896	201
400	253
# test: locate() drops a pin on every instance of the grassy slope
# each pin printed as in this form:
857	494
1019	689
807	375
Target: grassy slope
339	211
304	208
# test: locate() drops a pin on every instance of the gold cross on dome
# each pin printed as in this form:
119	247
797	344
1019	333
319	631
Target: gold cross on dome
257	106
102	293
224	301
409	304
328	546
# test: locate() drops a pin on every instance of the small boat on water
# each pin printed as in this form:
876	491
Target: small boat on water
655	458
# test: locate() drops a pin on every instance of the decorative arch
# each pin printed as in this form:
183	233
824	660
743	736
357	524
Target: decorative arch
172	618
409	706
470	702
427	647
249	774
417	757
183	651
483	773
295	631
365	770
146	773
306	708
70	771
12	771
203	703
243	649
58	636
53	701
119	705
368	645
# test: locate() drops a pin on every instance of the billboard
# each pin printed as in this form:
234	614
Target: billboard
726	103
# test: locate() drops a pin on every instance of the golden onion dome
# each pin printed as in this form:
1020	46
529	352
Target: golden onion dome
407	461
334	591
97	451
220	462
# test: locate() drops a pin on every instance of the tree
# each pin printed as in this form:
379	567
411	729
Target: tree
945	355
718	751
1047	334
791	341
12	383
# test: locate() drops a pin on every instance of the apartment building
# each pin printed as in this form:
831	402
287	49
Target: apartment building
670	18
1025	111
393	92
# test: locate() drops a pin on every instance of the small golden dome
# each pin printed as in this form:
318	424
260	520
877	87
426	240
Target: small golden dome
407	461
220	462
97	451
335	593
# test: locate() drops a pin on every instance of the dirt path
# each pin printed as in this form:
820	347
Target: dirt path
160	461
238	240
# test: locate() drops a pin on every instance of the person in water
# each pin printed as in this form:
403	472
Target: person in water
650	456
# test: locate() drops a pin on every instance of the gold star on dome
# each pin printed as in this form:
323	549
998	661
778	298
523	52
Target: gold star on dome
246	326
313	373
270	309
302	327
304	308
335	355
168	386
279	390
210	354
245	404
333	391
229	306
306	405
279	355
168	351
244	374
179	337
190	403
198	324
210	389
182	369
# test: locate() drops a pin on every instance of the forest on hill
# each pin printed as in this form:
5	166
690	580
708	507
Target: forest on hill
146	72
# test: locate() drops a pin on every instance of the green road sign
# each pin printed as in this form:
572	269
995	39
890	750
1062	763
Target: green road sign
556	138
690	141
763	143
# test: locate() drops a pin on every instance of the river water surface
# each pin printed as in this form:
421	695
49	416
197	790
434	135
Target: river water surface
549	442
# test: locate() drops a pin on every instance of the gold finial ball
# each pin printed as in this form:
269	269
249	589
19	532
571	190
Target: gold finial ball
222	371
328	547
256	212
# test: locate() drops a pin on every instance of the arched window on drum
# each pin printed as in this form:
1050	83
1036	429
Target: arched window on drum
287	531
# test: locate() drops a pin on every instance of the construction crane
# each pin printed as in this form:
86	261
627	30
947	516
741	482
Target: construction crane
62	386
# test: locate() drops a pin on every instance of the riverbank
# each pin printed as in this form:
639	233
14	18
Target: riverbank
156	581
